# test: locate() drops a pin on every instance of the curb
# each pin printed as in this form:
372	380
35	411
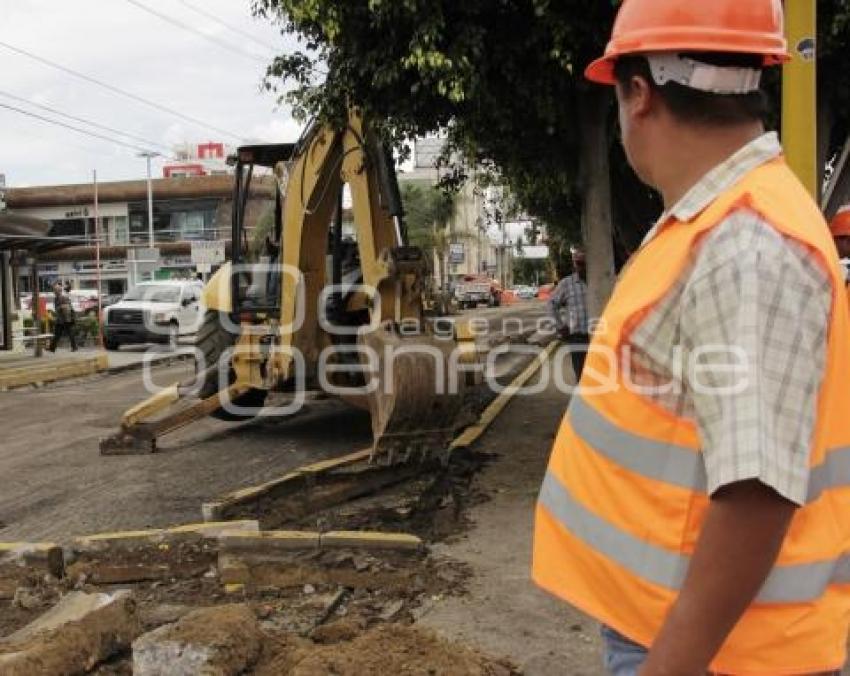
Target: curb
39	373
15	377
240	542
137	366
472	433
287	484
206	530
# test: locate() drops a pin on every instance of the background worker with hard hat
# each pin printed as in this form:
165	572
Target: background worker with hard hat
568	306
697	495
840	229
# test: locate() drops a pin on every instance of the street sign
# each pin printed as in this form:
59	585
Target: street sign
141	262
144	259
207	253
205	268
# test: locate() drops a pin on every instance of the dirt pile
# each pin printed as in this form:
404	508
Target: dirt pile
387	649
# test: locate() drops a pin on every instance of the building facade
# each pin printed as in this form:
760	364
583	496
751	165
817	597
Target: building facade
477	246
185	209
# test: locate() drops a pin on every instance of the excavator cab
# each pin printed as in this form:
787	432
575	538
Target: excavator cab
256	292
305	305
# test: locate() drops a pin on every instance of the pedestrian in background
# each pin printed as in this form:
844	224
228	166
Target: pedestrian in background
840	229
568	307
693	503
64	323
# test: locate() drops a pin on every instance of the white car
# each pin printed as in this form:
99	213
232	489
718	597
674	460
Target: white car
154	312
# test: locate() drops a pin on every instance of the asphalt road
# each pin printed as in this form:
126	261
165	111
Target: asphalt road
56	485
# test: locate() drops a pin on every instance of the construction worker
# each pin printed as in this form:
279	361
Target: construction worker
840	229
65	319
568	307
696	501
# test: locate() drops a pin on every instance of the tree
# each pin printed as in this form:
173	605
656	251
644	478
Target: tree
428	212
502	78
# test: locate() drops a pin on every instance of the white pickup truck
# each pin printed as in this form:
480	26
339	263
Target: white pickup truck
154	312
470	292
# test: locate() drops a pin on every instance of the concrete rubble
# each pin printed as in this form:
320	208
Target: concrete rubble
79	632
218	641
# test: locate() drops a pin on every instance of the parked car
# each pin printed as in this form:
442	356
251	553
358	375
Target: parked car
84	301
154	312
525	292
110	299
472	290
46	299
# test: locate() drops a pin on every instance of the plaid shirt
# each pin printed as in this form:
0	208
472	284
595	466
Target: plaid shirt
570	298
749	288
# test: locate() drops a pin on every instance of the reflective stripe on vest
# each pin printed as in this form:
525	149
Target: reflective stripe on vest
677	465
785	584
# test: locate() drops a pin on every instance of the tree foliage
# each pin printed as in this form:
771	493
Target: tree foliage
427	212
501	77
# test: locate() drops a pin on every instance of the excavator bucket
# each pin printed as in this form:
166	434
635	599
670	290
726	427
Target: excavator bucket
414	400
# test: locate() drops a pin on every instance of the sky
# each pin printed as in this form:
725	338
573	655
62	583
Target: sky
214	79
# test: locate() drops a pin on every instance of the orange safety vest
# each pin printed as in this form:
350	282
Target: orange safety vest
624	498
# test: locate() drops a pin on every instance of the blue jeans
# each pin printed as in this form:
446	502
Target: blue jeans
622	656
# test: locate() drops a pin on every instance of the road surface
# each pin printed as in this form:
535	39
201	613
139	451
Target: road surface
56	485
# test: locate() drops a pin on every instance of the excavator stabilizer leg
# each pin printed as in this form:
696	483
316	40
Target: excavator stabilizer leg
138	435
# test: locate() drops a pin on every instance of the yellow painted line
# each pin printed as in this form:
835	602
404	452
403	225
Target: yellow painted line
473	432
15	547
333	463
204	528
252	491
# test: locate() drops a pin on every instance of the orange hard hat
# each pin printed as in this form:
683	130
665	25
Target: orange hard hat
840	224
728	26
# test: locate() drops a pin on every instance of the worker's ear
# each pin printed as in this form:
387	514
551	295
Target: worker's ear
636	98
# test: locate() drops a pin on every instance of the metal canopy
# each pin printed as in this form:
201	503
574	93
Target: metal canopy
36	245
267	155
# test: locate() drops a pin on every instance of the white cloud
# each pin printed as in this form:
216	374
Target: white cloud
117	43
282	129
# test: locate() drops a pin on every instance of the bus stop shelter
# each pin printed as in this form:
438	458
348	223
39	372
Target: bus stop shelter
23	240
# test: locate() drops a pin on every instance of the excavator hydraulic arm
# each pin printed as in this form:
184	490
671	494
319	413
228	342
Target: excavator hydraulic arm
356	330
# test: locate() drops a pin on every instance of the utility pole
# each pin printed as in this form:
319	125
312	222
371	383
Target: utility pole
799	95
97	261
148	155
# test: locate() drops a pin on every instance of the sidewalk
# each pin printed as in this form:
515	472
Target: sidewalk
21	369
504	612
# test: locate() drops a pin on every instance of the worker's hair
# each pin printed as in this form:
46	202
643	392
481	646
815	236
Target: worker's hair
695	106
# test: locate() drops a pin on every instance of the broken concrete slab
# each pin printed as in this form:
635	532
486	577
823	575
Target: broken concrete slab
78	633
219	641
44	555
166	613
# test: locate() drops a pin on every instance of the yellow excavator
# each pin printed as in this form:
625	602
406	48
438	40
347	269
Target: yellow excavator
309	309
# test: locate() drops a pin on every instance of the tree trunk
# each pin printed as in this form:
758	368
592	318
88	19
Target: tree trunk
824	138
596	219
